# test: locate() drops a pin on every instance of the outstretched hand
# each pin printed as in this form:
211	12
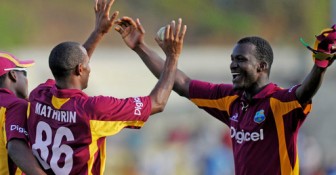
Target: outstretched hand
172	42
131	31
324	50
103	20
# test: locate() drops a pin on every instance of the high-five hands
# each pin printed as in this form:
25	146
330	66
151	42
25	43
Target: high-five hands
103	20
133	33
172	40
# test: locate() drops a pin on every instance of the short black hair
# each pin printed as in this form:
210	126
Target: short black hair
264	50
64	58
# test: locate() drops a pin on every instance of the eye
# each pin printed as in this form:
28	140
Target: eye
240	59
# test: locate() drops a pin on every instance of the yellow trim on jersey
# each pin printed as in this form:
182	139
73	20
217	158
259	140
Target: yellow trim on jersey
93	148
103	156
280	109
3	142
101	129
222	104
18	171
28	110
58	102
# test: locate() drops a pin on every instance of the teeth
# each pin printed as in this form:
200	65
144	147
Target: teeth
235	73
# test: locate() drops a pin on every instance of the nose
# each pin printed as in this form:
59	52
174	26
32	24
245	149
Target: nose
233	65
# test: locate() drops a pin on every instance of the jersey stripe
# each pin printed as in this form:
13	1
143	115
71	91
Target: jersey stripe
101	129
3	142
18	172
222	104
279	109
93	148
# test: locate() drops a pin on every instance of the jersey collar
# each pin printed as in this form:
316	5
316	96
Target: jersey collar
265	92
67	93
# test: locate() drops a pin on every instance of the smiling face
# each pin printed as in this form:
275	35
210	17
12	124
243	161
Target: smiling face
245	67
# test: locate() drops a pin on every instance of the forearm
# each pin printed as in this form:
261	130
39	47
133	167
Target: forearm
163	88
23	157
155	64
310	84
151	59
92	42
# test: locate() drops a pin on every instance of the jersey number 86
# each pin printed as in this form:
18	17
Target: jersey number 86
57	149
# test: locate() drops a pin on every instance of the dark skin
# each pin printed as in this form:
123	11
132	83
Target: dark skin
16	82
254	72
171	45
104	23
27	163
132	32
16	147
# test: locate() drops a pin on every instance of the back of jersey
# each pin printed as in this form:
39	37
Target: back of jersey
59	131
68	129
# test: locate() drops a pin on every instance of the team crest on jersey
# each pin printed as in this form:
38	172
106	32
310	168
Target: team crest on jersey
259	116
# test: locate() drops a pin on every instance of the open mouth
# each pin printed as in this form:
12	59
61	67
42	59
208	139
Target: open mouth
235	76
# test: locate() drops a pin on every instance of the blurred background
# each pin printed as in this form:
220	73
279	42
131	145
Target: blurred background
183	140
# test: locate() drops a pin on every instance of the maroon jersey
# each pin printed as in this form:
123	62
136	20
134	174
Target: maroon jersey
13	116
263	131
68	129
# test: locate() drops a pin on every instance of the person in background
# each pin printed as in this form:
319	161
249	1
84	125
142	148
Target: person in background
16	155
14	85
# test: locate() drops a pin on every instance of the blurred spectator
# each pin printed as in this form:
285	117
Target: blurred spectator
310	155
220	160
172	157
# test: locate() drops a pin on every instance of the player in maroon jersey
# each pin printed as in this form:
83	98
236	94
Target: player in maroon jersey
68	128
16	156
264	119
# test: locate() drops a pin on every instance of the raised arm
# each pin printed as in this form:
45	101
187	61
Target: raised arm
323	55
22	156
103	24
310	84
171	45
133	33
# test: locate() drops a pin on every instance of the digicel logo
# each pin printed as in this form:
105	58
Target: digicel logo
138	106
19	129
241	136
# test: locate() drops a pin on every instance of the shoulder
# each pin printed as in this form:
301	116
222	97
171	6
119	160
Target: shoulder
43	86
286	94
207	90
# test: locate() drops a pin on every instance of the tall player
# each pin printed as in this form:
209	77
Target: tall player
264	119
68	128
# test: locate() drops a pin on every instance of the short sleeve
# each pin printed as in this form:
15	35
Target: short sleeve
16	119
216	99
128	109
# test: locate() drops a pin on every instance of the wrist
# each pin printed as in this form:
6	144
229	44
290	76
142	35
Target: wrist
98	33
322	63
140	47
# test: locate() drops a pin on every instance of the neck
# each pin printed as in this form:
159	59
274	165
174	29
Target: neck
255	89
67	84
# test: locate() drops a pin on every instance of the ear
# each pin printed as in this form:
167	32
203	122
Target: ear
79	69
262	66
12	75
